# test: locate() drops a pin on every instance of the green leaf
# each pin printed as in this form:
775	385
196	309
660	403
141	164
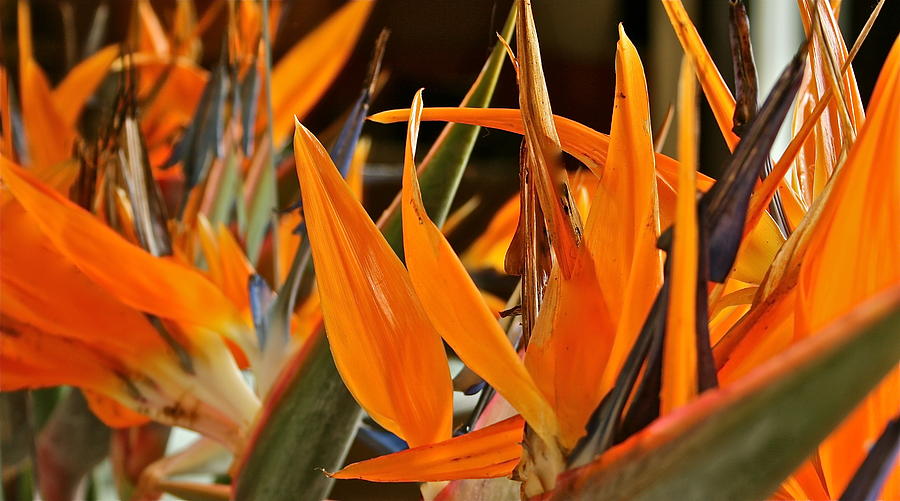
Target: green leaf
309	424
443	167
741	442
265	197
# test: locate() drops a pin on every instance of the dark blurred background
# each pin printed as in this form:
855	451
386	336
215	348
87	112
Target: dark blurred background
441	45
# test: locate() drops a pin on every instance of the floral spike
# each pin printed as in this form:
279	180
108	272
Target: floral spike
544	151
73	92
490	452
854	252
49	137
229	268
156	285
623	224
305	72
384	346
590	147
456	307
679	377
81	343
720	99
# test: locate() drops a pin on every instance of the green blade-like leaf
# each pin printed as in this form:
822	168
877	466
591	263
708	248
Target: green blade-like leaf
309	427
310	416
741	442
443	167
265	198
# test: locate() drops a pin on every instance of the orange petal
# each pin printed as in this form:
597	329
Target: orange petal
229	268
489	249
456	307
32	359
587	145
49	138
717	94
155	285
679	376
570	345
854	252
111	412
307	70
623	224
80	83
493	451
37	279
384	346
151	36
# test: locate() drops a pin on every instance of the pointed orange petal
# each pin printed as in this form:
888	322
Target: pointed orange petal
456	307
301	77
587	145
229	268
623	224
679	376
80	83
384	346
570	345
50	139
490	452
854	252
720	99
155	285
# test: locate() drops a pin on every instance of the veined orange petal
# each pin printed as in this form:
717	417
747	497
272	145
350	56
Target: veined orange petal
301	77
590	147
155	285
37	279
717	94
384	346
587	145
570	345
456	307
854	252
490	452
80	83
679	366
623	224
